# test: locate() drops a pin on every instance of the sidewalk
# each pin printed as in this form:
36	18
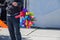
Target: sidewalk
33	34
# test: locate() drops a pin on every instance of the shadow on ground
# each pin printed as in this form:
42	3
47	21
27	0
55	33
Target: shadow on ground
2	37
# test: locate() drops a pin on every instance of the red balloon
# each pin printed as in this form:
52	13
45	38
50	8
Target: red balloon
30	23
22	13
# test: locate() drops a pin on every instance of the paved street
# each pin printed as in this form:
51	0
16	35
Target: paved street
33	34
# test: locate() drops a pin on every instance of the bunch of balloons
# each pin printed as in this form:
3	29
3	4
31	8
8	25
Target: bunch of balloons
26	18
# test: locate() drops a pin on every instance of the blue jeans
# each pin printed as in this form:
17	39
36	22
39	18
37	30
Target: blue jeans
14	28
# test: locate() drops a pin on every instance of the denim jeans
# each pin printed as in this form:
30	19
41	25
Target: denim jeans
14	28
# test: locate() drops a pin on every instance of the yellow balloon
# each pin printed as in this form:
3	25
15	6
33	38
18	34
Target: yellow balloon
27	13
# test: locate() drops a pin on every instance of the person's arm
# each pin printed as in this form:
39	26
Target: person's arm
18	16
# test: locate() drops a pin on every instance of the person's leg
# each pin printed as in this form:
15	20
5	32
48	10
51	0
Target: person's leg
11	28
17	29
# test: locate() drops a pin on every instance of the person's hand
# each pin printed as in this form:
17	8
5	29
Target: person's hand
14	4
17	16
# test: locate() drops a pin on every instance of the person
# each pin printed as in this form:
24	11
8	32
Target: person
13	24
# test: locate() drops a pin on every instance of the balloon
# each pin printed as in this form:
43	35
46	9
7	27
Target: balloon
23	26
26	17
29	18
22	14
23	18
25	10
27	13
22	22
30	23
26	23
31	14
32	18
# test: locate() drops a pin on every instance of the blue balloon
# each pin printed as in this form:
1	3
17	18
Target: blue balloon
26	17
29	18
22	22
23	18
